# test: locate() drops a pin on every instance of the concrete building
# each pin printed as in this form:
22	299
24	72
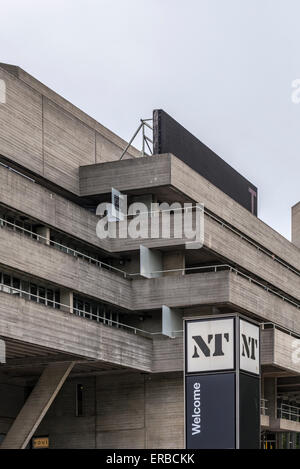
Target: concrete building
89	362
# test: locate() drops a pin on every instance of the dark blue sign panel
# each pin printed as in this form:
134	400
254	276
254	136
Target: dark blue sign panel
210	411
249	412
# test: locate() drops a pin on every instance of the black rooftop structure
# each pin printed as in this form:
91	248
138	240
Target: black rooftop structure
171	137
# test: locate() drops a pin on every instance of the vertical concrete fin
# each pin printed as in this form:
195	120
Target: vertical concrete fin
296	225
37	405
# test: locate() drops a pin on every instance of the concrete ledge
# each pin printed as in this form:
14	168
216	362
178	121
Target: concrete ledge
36	324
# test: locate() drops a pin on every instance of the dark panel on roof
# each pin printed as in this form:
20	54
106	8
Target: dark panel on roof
171	137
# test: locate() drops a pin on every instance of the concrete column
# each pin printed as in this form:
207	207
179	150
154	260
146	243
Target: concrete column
296	225
270	393
67	299
279	443
37	405
172	261
150	262
44	231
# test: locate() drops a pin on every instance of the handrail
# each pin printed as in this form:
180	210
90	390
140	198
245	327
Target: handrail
227	226
288	412
263	406
130	275
55	243
106	321
232	269
281	328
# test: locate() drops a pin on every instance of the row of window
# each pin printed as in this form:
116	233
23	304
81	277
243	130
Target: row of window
29	290
99	312
82	307
28	229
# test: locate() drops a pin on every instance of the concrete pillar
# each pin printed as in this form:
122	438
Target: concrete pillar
67	299
37	405
279	442
150	262
270	393
296	225
172	261
44	231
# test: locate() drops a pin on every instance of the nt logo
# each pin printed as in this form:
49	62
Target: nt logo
206	347
249	347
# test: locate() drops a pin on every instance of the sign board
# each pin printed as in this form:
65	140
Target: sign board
118	206
210	411
210	345
171	137
249	347
40	442
222	386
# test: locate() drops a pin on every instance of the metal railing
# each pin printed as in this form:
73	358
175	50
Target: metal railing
263	406
145	139
101	264
271	325
45	301
61	247
27	295
288	412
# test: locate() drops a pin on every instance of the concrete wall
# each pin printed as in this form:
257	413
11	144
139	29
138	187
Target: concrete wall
66	216
49	136
36	324
12	397
190	186
120	411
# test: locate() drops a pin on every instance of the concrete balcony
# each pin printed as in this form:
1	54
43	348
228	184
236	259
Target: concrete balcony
219	240
284	425
278	351
44	262
170	177
35	325
216	289
264	422
53	210
220	288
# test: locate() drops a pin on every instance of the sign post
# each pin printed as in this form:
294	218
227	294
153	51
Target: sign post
222	382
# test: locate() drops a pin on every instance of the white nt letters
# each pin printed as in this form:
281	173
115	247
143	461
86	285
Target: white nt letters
210	345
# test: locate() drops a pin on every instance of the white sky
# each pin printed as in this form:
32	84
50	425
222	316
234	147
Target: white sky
222	68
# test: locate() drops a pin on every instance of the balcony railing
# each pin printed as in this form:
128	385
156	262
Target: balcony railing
288	412
263	406
100	264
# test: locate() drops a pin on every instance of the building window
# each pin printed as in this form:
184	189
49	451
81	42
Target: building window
79	400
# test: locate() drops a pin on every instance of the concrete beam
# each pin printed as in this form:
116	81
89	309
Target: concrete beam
37	405
60	331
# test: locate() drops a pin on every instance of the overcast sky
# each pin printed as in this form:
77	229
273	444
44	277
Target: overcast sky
222	68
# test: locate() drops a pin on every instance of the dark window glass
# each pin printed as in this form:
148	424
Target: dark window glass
79	400
16	284
6	279
33	291
42	295
49	294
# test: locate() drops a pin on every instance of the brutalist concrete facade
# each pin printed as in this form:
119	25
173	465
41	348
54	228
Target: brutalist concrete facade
88	364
